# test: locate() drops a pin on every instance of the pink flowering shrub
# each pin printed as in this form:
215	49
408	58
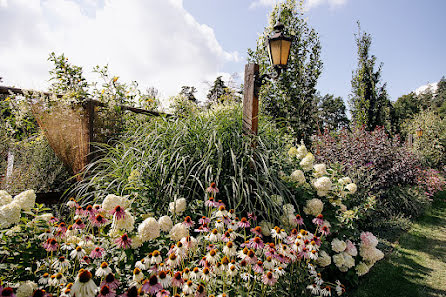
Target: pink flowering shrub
432	181
113	249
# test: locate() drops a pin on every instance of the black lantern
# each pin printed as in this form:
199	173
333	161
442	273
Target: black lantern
279	47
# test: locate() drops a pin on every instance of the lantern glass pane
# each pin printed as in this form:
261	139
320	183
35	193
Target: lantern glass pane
275	47
285	52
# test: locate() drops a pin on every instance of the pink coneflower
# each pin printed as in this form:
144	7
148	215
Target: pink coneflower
89	211
257	231
251	257
53	220
105	291
163	293
97	252
317	240
85	260
123	241
204	220
62	227
244	223
79	210
299	219
51	245
118	212
8	291
256	243
252	216
228	236
164	278
110	281
269	279
98	220
188	222
202	229
151	286
203	262
78	224
212	189
319	220
211	202
131	292
200	292
258	268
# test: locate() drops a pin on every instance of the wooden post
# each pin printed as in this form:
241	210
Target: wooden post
250	100
10	167
90	114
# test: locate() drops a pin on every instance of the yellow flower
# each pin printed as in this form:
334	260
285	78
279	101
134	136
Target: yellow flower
102	92
7	99
115	78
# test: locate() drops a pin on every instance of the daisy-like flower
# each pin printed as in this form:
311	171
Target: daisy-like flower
98	252
244	223
206	274
124	241
7	292
59	279
43	279
78	224
138	276
326	291
211	202
131	292
314	289
212	189
257	231
151	286
61	264
319	220
62	227
340	288
51	245
89	211
71	203
200	291
325	230
110	281
103	270
251	257
163	293
299	220
77	253
118	212
105	291
256	243
269	279
232	270
229	249
212	256
173	260
221	212
188	222
164	279
188	288
98	220
214	236
258	268
84	285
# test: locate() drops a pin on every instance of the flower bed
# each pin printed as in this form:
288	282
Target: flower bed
111	248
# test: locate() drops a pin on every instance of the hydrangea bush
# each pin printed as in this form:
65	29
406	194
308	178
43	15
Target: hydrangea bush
114	248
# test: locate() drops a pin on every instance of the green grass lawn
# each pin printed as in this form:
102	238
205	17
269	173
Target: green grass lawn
417	265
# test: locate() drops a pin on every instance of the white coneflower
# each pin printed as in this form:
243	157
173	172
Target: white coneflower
314	289
164	279
78	253
61	264
84	286
212	256
230	249
214	236
143	264
44	279
189	288
59	279
173	260
156	257
206	274
232	270
138	276
103	270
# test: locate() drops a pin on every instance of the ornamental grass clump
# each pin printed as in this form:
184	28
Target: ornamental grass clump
214	252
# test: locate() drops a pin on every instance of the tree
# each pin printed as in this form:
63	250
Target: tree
189	93
440	97
331	112
369	105
290	98
217	91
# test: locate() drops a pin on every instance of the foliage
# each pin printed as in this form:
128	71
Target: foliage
217	91
383	165
35	166
369	104
210	251
331	112
189	93
181	106
431	146
432	180
290	99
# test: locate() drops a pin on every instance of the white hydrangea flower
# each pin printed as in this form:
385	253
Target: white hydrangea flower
362	269
322	184
9	215
338	245
338	260
178	206
301	151
324	259
288	209
5	198
136	242
111	201
370	254
292	152
307	162
165	223
320	170
298	177
352	188
44	217
26	289
178	232
126	223
149	229
277	199
266	227
349	261
344	181
351	248
26	200
314	207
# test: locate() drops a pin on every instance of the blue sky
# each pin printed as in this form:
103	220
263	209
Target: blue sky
171	43
408	38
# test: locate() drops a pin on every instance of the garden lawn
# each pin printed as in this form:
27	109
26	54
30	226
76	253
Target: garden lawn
417	265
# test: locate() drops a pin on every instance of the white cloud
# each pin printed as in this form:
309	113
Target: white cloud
430	87
157	43
308	3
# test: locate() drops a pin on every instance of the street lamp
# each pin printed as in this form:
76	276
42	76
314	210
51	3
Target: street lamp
419	132
278	47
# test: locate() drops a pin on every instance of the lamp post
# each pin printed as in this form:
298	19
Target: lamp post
278	47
